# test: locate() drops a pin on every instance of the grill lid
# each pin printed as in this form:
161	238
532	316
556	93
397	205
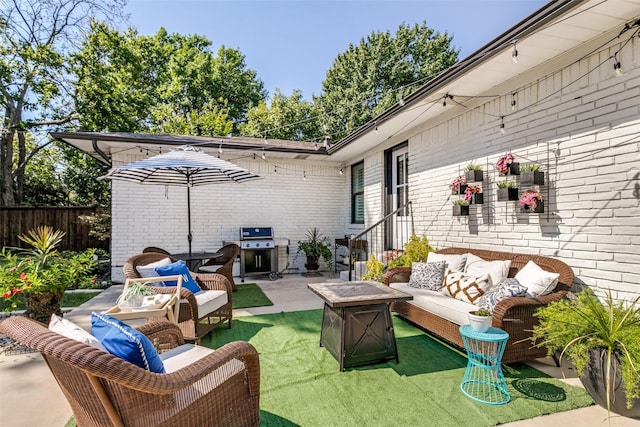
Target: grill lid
253	233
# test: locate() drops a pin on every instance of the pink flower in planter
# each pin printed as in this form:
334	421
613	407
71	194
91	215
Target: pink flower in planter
530	198
470	191
455	185
503	162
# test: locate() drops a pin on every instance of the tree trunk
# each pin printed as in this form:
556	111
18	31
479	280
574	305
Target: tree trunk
41	305
6	167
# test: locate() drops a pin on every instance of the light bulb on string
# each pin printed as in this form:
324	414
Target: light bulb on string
513	101
220	149
264	156
275	170
341	171
401	102
514	54
617	67
376	130
502	130
304	175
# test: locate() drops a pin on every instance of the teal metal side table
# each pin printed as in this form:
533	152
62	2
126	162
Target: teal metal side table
483	379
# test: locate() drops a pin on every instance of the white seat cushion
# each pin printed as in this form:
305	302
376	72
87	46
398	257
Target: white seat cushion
209	301
179	357
437	303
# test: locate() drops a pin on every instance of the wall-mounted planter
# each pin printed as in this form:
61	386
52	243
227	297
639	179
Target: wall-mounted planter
513	169
527	209
506	194
474	175
532	178
460	210
477	199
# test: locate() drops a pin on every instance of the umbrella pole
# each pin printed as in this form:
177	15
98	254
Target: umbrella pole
189	236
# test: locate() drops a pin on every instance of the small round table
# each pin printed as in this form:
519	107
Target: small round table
483	379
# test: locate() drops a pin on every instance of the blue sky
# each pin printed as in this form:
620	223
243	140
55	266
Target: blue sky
291	44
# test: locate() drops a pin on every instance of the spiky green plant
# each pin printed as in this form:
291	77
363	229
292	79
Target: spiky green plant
575	327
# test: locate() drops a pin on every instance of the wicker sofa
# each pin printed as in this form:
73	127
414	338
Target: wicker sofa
514	315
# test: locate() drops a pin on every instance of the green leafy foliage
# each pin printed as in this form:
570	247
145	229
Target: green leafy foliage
364	80
316	245
286	117
41	268
575	327
375	269
415	250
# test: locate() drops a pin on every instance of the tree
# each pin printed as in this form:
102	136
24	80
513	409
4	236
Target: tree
168	83
35	36
285	118
369	78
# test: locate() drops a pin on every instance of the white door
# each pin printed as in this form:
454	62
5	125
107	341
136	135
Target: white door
400	195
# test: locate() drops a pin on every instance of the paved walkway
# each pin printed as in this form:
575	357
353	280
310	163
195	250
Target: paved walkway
30	397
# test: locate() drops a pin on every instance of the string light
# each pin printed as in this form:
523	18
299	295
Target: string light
401	102
444	103
220	149
513	101
617	67
514	54
265	140
264	156
341	171
326	142
254	156
376	130
275	170
502	131
304	175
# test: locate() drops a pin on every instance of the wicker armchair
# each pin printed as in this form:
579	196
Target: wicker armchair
221	388
193	323
156	250
223	264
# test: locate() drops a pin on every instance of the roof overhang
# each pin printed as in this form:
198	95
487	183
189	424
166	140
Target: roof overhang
546	40
102	145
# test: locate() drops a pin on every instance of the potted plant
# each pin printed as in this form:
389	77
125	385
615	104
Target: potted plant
531	202
415	250
41	274
480	320
473	195
602	339
530	174
507	190
315	247
133	294
459	185
507	166
460	207
473	172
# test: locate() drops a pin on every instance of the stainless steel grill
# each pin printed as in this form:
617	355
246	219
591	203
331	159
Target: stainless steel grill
258	252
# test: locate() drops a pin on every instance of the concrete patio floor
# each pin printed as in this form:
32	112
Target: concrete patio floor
29	395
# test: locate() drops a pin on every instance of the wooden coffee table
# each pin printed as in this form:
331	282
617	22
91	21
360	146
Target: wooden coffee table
356	322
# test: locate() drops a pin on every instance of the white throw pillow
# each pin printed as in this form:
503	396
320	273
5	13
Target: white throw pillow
69	329
453	262
497	270
537	281
464	287
149	270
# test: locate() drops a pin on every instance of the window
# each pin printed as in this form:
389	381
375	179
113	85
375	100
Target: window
357	193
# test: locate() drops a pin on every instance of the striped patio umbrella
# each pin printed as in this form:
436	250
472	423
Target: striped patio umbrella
185	166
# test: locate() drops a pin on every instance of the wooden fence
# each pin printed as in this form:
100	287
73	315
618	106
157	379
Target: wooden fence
18	220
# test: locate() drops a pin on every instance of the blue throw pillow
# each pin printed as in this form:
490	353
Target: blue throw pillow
123	341
179	268
506	289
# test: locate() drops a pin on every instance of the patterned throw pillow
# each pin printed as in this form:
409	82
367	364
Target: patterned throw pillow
464	287
506	289
427	275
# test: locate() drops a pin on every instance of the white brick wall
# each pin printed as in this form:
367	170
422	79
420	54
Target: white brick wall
587	140
147	215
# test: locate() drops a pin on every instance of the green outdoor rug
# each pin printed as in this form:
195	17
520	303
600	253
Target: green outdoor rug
249	295
301	384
